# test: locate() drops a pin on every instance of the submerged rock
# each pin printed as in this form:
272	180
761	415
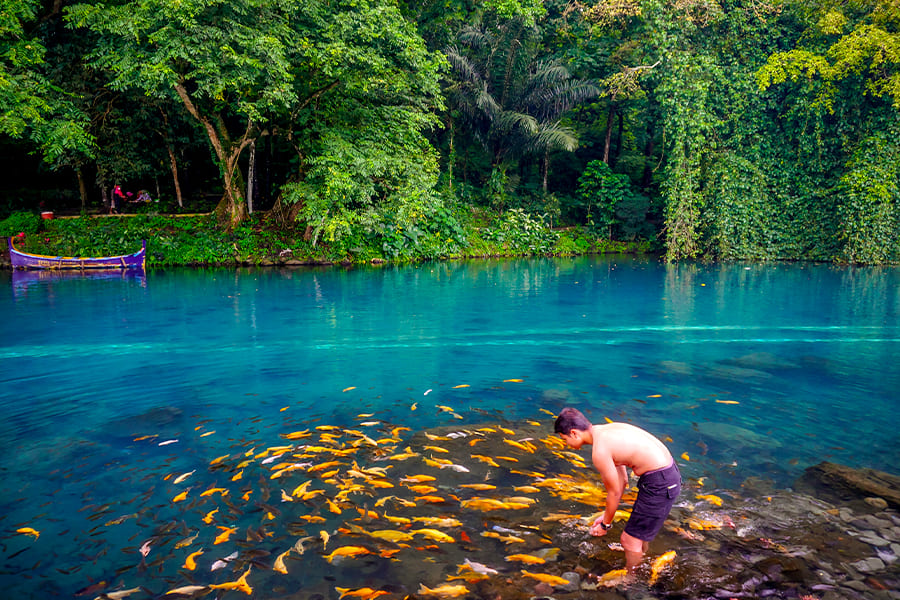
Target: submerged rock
841	483
735	436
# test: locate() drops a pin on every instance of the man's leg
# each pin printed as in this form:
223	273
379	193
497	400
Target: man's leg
634	551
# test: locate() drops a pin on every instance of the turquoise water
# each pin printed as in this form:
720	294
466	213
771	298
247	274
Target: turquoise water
746	370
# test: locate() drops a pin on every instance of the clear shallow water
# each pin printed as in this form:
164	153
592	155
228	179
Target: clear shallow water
750	370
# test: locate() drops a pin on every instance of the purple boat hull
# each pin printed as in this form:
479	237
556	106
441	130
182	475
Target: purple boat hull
23	260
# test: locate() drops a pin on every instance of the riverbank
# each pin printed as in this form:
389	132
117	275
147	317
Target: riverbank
196	240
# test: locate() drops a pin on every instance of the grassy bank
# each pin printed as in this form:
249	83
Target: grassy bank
196	240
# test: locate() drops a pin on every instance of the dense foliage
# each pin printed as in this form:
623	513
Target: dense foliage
390	129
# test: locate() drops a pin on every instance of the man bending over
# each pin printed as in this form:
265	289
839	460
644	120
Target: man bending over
615	447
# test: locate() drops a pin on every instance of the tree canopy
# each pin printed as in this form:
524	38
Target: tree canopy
722	129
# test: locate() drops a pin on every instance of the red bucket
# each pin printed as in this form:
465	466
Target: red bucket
47	215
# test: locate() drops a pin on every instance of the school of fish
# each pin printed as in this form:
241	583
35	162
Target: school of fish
378	508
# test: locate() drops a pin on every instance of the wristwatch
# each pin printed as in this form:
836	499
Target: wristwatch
605	527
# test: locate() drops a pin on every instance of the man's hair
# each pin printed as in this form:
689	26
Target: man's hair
571	418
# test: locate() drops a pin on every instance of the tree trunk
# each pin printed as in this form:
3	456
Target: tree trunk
619	132
173	165
609	124
232	209
251	177
82	189
546	169
648	157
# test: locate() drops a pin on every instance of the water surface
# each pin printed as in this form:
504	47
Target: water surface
745	370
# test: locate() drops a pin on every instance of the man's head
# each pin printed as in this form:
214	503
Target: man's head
570	425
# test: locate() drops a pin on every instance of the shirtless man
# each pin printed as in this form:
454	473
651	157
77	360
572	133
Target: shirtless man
616	446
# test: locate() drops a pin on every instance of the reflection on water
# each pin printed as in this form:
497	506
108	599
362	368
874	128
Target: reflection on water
116	388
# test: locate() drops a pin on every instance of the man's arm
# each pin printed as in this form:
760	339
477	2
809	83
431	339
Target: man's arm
614	480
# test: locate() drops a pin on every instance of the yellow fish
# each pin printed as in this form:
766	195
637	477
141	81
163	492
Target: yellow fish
365	593
444	591
347	389
418	479
323	466
486	459
391	535
208	519
279	563
526	489
431	499
545	578
397	520
711	498
439	521
435	449
347	551
433	534
526	558
423	489
659	564
226	533
313	518
29	531
238	475
301	489
240	585
189	563
613	578
685	456
513	380
481	487
325	538
296	435
506	539
462	385
180	496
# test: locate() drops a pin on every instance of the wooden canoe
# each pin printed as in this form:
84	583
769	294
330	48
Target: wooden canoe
24	260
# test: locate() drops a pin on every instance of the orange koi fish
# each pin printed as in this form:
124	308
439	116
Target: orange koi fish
347	551
526	558
659	564
545	578
361	593
189	563
29	531
226	533
240	585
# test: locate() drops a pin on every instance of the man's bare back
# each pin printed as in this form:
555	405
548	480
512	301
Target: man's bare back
629	446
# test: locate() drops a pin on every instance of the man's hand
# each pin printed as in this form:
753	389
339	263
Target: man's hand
596	528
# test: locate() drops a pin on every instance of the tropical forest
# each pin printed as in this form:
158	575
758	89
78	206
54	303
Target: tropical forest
265	131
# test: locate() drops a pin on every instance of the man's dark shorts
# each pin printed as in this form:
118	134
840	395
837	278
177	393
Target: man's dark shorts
657	491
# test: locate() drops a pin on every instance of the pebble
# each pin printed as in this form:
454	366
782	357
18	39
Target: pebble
870	538
574	582
878	523
868	565
879	503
